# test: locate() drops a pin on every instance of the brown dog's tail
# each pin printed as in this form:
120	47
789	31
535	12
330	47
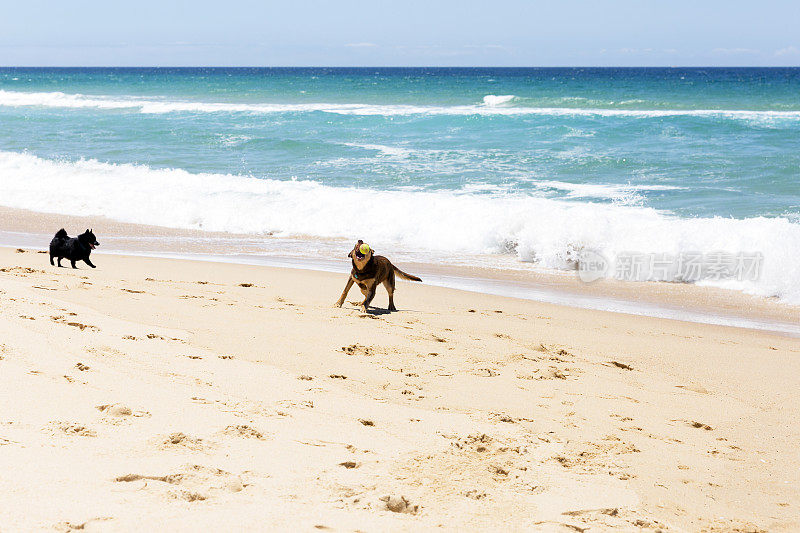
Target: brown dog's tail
404	275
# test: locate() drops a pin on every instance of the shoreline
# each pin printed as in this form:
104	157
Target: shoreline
686	302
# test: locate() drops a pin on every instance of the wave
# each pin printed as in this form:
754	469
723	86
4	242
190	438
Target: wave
391	151
150	106
552	233
627	194
493	100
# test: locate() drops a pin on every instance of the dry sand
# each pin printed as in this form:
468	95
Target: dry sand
154	394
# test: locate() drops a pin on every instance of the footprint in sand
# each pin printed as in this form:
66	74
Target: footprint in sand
623	366
553	373
399	504
358	349
498	470
243	431
486	373
115	410
21	270
80	326
183	440
68	527
192	483
693	388
118	410
71	428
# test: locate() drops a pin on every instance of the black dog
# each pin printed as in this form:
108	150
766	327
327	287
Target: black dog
74	249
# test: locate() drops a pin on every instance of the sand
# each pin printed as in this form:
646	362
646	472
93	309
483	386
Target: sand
155	394
496	274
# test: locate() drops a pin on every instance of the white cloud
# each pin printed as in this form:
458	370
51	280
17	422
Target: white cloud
633	51
361	45
730	51
788	51
486	46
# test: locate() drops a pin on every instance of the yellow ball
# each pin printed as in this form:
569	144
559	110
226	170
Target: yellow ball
364	248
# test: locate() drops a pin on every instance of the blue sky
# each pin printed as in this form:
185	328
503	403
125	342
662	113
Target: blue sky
411	32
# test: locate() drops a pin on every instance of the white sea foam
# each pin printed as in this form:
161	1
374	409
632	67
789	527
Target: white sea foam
494	100
546	231
233	140
392	151
58	99
628	194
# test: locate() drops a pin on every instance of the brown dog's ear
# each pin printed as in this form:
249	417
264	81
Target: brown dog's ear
350	255
360	241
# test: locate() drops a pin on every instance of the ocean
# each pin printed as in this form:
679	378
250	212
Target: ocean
508	167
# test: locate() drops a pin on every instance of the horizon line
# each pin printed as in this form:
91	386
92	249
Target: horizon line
402	66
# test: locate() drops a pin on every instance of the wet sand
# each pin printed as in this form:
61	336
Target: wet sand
508	278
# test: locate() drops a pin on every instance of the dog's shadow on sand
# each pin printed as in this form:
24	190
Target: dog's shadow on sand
372	311
378	311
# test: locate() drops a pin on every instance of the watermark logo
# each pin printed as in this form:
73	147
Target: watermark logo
592	265
687	267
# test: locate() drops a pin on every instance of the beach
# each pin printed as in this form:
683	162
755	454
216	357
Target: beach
605	338
509	168
156	393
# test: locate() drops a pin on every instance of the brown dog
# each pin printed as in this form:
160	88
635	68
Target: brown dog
368	272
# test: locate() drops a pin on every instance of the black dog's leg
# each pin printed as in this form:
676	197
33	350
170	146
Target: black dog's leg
51	260
59	262
73	263
89	263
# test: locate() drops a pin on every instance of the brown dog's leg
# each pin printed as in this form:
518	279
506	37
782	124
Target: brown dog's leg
370	294
344	293
389	284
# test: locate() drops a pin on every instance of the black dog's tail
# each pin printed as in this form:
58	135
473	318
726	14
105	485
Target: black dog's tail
61	234
404	275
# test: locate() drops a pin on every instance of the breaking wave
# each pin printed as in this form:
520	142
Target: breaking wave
546	231
491	105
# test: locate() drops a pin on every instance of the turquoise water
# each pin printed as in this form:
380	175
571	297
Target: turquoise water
530	163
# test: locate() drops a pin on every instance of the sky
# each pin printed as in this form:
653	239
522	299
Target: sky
400	33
